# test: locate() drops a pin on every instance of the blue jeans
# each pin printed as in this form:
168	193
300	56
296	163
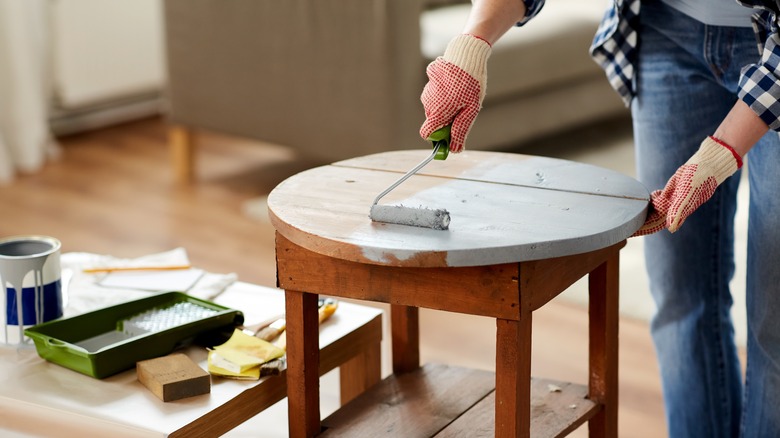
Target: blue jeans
686	83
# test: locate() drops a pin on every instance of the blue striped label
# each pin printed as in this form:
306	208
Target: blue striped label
50	307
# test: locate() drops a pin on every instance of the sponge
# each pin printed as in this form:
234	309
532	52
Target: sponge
173	377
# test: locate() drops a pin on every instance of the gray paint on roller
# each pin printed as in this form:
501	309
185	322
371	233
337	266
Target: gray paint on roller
438	219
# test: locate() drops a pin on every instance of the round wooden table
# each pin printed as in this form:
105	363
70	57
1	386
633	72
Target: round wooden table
523	229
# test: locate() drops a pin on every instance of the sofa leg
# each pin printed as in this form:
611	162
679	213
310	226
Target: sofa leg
181	141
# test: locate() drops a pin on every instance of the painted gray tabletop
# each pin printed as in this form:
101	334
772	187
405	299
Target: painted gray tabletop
505	208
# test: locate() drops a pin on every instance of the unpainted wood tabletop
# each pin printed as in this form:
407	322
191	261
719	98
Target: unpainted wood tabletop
505	208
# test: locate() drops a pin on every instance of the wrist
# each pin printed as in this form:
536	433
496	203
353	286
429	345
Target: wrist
480	38
470	53
728	147
714	160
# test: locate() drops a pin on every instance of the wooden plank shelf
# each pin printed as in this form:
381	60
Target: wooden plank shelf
445	401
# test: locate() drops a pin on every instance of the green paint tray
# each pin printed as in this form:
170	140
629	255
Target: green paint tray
113	339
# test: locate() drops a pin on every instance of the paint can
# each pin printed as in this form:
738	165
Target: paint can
31	293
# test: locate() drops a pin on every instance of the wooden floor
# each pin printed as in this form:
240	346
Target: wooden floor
112	192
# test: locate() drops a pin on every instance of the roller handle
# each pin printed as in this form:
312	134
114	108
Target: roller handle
441	142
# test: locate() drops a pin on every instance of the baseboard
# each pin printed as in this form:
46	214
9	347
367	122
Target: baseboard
72	121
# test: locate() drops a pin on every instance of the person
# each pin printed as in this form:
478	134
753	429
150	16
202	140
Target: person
702	95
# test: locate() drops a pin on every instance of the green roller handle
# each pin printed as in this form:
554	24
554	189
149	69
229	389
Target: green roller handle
441	142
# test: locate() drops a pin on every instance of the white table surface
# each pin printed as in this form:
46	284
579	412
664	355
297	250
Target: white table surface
38	398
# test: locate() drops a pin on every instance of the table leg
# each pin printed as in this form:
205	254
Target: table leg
303	353
405	328
513	377
603	327
181	141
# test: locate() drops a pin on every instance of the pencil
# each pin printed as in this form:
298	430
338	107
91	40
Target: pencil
135	268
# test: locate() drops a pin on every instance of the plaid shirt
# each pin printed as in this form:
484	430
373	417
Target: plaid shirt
615	49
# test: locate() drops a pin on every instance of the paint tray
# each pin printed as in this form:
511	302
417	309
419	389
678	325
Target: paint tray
113	339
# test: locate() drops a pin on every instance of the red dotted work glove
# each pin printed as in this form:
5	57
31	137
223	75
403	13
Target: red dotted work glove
456	88
691	186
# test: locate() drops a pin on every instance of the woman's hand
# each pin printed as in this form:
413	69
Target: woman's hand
691	186
456	88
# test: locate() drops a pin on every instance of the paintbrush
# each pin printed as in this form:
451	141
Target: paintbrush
272	331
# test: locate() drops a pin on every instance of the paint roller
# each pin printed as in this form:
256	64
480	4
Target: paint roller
437	219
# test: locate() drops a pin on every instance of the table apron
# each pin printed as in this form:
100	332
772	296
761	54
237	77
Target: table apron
497	291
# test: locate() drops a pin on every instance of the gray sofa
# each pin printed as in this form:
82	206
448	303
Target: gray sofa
337	79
